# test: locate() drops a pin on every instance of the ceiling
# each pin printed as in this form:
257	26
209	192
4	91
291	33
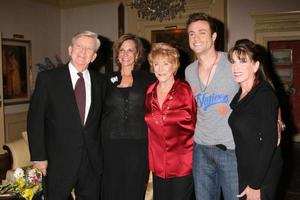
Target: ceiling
73	3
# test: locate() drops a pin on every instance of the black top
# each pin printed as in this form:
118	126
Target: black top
254	126
123	109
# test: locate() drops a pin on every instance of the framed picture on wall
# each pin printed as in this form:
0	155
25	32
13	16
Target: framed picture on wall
282	59
16	61
177	38
281	56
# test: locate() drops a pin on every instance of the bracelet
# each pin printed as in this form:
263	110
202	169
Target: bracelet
282	124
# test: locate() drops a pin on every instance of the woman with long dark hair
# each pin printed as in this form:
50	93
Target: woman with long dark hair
254	124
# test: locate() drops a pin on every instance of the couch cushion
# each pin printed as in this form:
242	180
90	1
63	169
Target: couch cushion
24	136
19	152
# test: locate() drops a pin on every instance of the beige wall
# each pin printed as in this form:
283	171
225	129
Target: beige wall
240	22
39	23
100	18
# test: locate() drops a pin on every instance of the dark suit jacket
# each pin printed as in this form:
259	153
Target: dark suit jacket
55	132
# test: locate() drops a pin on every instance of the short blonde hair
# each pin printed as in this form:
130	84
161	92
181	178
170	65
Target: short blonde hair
87	34
166	51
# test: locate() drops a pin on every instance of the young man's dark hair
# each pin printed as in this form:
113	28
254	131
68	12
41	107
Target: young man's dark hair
203	17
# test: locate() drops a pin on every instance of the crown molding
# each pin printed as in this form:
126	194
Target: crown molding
275	26
277	21
72	3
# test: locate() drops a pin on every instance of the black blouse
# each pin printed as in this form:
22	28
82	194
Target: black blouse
123	109
254	126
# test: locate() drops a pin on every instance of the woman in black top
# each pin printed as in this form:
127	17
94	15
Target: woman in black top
123	126
254	125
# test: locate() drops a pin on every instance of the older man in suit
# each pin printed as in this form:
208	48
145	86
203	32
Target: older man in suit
63	123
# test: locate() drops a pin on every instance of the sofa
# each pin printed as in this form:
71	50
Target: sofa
18	151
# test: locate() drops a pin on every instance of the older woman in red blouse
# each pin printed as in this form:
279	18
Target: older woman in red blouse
170	116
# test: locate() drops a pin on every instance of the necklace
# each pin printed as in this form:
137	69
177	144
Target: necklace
211	68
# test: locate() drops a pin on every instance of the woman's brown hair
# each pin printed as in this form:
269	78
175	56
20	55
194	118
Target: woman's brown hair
244	48
139	48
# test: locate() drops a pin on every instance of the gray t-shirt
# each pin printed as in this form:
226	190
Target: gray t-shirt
213	103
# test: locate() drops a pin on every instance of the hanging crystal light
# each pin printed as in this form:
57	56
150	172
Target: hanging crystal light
158	9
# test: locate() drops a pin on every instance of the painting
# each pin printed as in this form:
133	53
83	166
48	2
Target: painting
177	38
281	56
282	59
16	60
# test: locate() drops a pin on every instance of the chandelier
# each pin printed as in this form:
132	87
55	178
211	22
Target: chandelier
158	9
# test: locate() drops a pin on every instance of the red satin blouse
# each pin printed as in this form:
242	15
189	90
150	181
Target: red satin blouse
171	130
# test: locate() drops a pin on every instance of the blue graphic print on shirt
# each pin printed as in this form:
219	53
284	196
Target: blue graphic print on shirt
205	101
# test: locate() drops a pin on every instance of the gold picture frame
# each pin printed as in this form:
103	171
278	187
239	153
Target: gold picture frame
16	62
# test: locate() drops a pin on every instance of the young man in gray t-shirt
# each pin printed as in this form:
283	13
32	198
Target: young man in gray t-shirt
214	160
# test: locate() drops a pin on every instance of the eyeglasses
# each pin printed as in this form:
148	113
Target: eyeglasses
83	48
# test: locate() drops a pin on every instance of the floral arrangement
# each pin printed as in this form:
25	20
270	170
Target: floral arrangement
26	184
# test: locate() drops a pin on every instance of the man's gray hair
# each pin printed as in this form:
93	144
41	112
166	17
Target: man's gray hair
87	34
